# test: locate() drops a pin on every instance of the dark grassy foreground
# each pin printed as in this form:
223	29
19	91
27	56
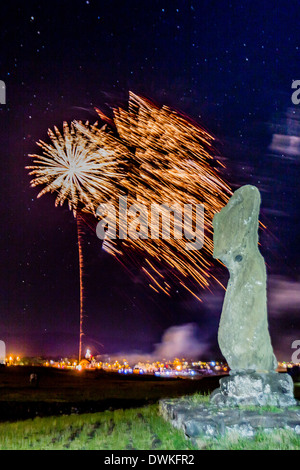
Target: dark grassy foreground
65	391
133	429
69	385
137	426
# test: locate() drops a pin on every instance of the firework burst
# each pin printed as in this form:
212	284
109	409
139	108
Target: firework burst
78	170
171	160
166	159
81	172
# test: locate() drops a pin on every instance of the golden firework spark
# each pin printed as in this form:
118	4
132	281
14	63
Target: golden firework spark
165	158
171	160
80	171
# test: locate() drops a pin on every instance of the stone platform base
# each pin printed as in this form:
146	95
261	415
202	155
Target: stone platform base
199	419
255	388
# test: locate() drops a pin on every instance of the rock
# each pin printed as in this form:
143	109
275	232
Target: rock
243	334
254	388
194	427
200	421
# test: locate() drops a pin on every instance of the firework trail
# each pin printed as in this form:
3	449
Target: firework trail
80	172
81	291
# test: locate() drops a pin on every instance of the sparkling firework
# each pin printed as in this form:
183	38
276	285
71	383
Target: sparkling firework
80	171
165	158
170	160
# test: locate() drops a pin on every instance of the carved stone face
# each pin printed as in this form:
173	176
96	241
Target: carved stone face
236	225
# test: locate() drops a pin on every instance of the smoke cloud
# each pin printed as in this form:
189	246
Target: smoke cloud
177	341
284	295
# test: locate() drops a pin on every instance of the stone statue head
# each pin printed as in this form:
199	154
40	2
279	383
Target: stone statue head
233	231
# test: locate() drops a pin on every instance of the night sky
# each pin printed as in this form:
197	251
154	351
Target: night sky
228	65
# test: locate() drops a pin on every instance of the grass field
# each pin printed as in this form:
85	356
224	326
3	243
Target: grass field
134	427
72	386
65	391
139	428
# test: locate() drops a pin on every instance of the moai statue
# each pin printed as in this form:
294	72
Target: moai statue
243	334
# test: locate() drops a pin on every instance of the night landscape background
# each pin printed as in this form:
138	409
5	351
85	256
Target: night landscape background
230	67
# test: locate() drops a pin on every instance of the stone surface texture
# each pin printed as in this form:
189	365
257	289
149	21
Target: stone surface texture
206	420
254	388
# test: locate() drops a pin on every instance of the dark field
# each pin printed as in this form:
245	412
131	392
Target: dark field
66	391
97	410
